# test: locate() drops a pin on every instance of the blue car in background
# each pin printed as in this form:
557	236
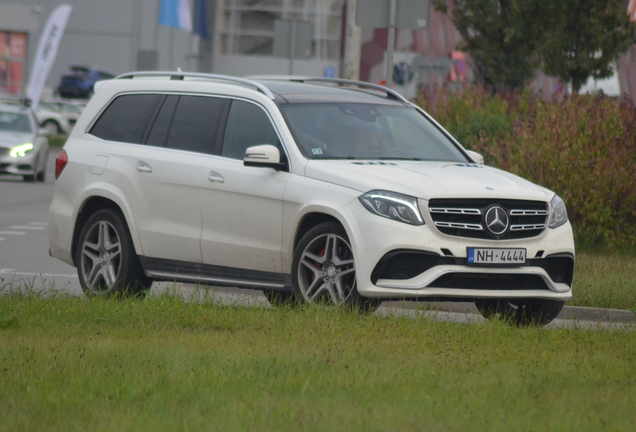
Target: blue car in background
79	82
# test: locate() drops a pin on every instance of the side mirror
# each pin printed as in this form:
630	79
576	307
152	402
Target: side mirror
476	157
266	156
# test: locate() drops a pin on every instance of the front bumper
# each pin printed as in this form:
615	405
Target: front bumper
18	166
397	260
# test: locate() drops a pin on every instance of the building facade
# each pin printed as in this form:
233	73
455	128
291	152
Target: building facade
248	37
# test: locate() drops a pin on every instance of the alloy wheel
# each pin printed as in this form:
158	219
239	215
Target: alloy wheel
101	256
326	272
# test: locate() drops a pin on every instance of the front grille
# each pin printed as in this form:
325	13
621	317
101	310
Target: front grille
4	151
465	217
485	281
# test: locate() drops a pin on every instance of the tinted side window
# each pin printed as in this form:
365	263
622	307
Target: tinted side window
195	123
247	125
161	127
126	118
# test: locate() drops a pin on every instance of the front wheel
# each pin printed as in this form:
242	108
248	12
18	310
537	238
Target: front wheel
522	314
324	271
107	264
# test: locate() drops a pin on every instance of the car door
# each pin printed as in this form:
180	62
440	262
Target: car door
170	174
243	206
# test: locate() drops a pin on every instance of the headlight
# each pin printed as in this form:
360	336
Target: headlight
21	150
391	205
559	214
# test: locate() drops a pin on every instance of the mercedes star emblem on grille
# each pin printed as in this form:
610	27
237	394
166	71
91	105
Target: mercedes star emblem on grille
496	220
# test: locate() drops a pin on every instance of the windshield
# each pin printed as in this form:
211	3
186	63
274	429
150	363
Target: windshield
14	122
363	131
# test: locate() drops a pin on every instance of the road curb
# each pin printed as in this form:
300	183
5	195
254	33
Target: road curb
577	313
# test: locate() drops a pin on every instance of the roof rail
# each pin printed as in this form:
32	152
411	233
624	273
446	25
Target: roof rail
180	75
388	91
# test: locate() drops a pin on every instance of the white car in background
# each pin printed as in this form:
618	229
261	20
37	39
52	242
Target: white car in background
23	151
53	120
303	189
70	110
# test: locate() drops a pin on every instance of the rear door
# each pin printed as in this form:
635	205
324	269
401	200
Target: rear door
170	174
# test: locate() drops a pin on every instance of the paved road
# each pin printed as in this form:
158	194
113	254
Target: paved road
24	260
24	241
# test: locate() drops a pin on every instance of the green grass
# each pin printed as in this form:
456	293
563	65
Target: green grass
57	140
604	280
70	364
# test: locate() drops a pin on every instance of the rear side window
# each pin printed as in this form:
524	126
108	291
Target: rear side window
126	118
194	124
161	128
247	126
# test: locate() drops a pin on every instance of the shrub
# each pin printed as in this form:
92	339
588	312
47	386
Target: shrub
582	147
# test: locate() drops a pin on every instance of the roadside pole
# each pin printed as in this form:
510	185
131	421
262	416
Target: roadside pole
390	43
353	37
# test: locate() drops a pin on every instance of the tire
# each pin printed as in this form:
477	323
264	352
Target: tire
51	127
279	298
537	313
107	264
31	177
323	270
41	175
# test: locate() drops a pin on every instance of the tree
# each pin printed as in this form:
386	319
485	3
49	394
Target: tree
509	40
585	39
503	37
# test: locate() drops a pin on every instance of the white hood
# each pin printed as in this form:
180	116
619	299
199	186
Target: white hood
426	180
10	139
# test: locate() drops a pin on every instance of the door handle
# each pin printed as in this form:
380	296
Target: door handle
215	177
142	167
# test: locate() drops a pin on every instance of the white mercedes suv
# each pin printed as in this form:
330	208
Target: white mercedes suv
304	189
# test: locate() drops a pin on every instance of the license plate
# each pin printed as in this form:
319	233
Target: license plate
496	256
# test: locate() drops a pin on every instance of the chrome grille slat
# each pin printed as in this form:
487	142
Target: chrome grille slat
527	227
528	212
459	225
455	211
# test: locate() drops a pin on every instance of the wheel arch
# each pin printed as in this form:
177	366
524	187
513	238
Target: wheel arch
311	220
52	121
89	207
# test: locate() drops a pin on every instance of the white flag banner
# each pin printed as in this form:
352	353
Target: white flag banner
46	53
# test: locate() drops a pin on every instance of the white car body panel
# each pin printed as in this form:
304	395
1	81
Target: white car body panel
173	181
242	216
425	180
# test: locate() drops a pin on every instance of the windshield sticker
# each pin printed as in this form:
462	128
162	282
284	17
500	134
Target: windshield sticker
316	151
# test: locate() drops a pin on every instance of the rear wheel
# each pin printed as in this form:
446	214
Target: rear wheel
107	264
324	272
51	127
522	314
